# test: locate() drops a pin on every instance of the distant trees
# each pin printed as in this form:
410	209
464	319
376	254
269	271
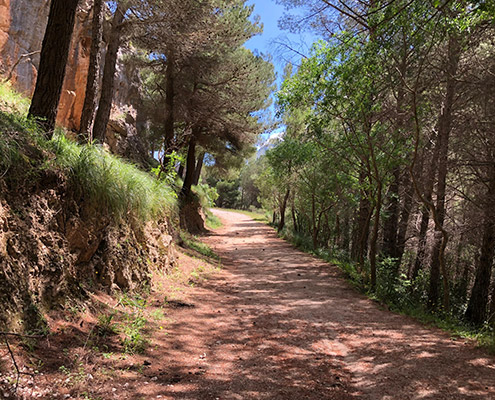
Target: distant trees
398	107
53	61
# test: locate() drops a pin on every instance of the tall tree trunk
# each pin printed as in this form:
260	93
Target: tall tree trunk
293	214
283	206
169	102
444	127
478	302
190	166
199	167
374	236
53	61
361	227
404	216
392	218
107	84
425	213
90	97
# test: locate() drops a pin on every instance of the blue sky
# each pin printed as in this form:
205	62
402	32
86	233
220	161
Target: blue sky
277	43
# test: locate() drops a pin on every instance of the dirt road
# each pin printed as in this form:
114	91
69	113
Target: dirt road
279	324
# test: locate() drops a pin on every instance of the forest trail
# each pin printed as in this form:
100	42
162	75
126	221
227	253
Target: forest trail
279	324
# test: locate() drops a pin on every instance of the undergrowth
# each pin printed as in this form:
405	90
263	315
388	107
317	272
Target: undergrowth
111	183
400	294
192	242
105	181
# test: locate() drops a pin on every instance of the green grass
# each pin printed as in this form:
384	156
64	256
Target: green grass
212	221
11	101
113	184
103	180
192	242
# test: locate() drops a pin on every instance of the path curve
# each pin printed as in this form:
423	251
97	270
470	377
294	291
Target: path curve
280	324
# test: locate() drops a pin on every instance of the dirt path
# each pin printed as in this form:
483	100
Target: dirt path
274	323
279	324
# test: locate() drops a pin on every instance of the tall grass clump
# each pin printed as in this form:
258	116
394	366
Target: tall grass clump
15	128
111	184
12	101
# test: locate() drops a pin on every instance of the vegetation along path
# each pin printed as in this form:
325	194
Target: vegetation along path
279	324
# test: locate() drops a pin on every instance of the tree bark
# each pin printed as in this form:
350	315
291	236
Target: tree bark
88	111
53	61
404	216
169	102
283	206
107	85
478	302
425	213
392	218
190	167
199	167
444	127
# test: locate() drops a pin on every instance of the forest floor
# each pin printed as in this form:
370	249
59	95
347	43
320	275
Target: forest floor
273	323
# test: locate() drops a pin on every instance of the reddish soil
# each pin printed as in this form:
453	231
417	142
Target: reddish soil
276	323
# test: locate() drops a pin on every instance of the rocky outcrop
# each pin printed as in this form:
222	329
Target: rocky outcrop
54	247
22	26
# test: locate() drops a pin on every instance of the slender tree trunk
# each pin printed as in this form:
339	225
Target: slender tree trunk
425	213
478	302
374	236
361	227
283	206
90	97
293	214
180	172
314	231
169	102
392	218
404	215
190	167
107	85
199	167
53	61
438	266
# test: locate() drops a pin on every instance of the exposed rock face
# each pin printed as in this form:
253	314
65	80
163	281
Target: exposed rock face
53	246
22	27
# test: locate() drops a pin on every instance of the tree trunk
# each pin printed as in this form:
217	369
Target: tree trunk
374	236
53	61
89	106
283	206
404	216
190	167
444	127
107	84
169	102
199	167
361	229
180	172
477	307
425	214
293	214
392	218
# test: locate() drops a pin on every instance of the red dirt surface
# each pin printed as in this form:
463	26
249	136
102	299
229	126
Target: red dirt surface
276	323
